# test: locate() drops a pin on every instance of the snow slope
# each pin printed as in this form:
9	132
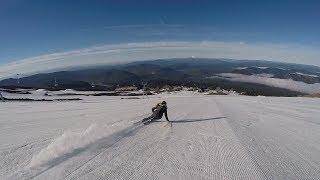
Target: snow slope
212	137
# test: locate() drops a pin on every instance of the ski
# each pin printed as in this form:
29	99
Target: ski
168	124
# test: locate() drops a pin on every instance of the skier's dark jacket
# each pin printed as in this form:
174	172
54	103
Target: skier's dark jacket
159	110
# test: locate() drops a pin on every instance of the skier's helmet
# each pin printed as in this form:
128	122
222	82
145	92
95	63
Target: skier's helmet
164	103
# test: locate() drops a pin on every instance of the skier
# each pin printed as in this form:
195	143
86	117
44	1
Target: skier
157	113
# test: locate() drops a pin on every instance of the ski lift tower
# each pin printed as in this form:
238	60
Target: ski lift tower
92	85
144	84
18	79
1	97
55	82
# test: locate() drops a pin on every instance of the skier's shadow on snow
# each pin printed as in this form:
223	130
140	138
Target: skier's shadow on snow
197	120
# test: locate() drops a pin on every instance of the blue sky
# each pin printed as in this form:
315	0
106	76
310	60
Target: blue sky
30	28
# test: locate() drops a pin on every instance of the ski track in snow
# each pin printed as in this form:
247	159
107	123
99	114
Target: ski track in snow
211	137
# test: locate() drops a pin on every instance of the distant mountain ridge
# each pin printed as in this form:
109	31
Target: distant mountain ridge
186	71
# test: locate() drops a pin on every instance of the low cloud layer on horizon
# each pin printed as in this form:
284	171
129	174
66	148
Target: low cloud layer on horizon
274	82
129	52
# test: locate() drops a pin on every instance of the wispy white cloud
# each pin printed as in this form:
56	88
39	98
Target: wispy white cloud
141	27
275	82
121	53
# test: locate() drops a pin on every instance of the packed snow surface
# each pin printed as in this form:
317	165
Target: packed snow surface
211	137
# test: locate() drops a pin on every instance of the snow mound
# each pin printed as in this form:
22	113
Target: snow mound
39	92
